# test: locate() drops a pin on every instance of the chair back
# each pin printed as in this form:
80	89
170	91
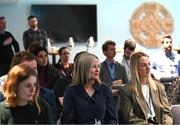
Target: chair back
175	110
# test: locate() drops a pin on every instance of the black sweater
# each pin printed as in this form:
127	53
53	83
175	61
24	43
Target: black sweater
27	114
6	52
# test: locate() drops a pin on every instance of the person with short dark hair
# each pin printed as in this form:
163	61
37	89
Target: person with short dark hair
118	71
62	84
112	72
34	34
64	67
48	74
166	63
20	57
8	46
166	68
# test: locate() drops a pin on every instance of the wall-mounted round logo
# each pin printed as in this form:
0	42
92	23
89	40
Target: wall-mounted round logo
149	23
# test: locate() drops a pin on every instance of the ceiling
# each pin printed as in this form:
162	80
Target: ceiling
8	1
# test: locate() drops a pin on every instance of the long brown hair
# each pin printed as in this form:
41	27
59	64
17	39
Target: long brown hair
15	76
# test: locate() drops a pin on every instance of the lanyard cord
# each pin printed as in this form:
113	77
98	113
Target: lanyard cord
148	100
149	104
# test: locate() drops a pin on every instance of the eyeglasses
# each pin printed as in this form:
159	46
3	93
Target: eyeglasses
131	48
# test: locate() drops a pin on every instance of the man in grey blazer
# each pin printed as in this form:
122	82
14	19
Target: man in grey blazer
112	72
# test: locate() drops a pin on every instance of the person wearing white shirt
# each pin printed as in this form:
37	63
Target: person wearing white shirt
166	64
129	48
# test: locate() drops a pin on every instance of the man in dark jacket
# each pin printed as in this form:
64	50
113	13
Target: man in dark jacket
7	41
34	34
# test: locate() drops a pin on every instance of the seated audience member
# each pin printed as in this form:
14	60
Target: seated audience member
22	105
64	67
27	58
87	100
165	68
61	85
165	64
48	74
112	73
129	48
34	34
143	100
8	46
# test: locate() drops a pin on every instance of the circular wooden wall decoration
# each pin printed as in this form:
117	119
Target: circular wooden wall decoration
149	23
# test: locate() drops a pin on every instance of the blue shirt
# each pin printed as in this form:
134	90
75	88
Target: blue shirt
111	68
80	108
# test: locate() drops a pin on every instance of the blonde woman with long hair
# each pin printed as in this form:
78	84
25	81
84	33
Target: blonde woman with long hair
88	101
143	100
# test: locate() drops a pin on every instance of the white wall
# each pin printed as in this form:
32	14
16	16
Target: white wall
112	20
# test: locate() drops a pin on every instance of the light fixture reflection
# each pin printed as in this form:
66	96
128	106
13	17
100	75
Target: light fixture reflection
90	43
70	42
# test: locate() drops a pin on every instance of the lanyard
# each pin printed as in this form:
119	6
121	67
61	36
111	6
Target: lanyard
146	94
149	104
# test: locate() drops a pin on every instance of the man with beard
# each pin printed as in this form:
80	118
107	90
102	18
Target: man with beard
34	34
166	64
